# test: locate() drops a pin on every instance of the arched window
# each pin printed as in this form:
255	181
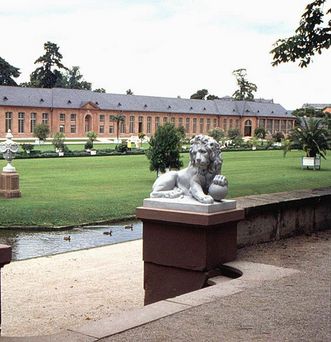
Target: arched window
88	123
248	128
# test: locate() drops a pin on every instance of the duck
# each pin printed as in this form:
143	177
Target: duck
108	233
67	238
129	226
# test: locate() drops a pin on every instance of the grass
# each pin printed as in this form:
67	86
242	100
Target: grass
73	191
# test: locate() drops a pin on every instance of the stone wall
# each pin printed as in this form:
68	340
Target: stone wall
279	215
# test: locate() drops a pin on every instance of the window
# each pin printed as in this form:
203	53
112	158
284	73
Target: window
194	125
21	122
276	125
149	124
102	129
131	124
72	128
262	123
208	125
173	121
248	128
180	122
225	123
33	120
187	125
111	129
8	121
45	118
201	125
102	118
237	123
61	129
62	117
140	124
157	123
122	125
289	125
165	119
73	117
283	123
269	125
231	123
215	123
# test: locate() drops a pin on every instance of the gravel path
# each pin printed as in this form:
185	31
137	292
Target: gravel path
295	308
47	295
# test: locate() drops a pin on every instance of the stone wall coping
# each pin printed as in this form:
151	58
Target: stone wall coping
190	218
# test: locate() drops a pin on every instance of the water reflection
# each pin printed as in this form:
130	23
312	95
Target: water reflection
27	244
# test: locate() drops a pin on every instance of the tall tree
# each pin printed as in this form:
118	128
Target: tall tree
48	75
200	94
73	79
7	73
117	118
129	92
100	90
164	149
246	89
311	37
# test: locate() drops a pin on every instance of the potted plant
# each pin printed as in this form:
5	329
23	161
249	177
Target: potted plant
310	135
27	148
92	136
58	142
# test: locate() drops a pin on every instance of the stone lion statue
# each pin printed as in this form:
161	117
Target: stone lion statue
200	180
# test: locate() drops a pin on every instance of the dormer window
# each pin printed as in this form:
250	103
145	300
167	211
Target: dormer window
247	110
191	108
204	108
119	104
41	100
97	103
145	106
272	112
258	111
69	102
169	107
233	110
5	98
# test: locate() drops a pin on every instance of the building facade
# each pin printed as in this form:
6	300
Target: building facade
75	112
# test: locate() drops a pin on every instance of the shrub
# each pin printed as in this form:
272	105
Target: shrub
88	145
41	131
122	147
27	147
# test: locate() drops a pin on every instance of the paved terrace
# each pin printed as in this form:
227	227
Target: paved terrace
289	300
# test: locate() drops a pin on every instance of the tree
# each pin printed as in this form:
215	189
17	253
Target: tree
311	37
41	131
73	79
48	75
216	133
181	132
7	73
58	141
246	89
200	94
117	118
278	137
260	132
92	136
100	90
317	113
234	133
310	135
164	149
212	97
129	92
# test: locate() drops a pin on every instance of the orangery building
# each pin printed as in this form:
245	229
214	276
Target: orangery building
75	112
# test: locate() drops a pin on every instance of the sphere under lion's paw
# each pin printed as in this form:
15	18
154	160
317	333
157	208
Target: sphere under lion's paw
218	191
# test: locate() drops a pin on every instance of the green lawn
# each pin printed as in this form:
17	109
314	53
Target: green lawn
70	191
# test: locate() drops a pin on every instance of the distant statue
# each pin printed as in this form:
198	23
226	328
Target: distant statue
200	180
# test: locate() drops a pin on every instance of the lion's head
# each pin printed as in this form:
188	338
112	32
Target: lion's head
205	153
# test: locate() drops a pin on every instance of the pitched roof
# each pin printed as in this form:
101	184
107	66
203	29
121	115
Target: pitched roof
74	98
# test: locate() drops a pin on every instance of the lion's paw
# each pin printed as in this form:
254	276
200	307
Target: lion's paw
206	199
220	180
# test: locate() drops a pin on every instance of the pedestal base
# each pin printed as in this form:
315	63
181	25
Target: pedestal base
9	185
180	248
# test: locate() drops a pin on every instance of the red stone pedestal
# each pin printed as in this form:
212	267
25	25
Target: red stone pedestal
5	258
9	185
180	248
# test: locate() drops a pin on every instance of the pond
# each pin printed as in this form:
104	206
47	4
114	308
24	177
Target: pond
30	244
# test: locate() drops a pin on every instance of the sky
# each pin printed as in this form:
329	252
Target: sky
167	48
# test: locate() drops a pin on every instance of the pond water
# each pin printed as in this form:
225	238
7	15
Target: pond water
30	244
